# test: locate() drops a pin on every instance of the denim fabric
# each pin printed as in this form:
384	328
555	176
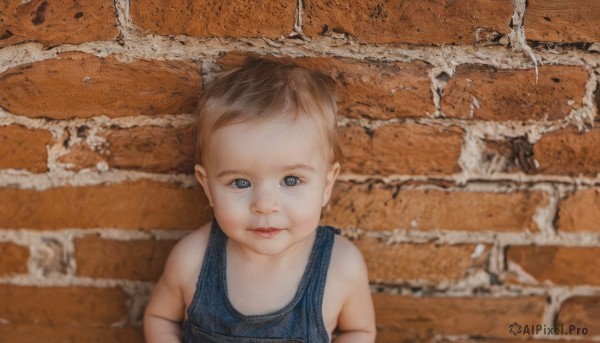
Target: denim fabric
213	319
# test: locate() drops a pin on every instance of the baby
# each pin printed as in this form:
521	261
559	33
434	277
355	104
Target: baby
263	270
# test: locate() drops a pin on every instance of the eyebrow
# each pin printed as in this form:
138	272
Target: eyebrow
242	172
299	166
230	172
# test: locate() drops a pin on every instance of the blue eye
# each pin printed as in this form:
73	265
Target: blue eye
240	183
291	181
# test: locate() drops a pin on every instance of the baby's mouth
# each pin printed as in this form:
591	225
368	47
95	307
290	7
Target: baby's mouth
266	232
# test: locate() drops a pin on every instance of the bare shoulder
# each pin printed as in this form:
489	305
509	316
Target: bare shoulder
191	244
185	261
347	261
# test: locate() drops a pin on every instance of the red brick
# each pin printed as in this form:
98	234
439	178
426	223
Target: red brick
416	22
580	211
23	148
57	22
146	148
581	311
115	259
81	156
511	94
63	305
425	317
560	21
383	207
236	18
404	262
401	149
14	259
27	333
563	152
132	205
369	89
558	265
567	152
82	85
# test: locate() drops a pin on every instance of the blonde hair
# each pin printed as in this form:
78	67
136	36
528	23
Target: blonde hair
262	89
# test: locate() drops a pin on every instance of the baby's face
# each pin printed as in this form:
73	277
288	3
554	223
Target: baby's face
267	182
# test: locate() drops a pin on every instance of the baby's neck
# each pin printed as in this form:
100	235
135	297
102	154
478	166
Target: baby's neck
251	277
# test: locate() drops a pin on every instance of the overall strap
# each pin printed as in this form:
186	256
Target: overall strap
208	277
319	266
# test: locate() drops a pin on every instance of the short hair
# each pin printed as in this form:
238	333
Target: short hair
262	89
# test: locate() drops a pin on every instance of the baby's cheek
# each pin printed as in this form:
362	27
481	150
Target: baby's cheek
229	210
309	209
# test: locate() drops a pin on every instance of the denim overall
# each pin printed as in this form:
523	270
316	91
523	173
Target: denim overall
213	319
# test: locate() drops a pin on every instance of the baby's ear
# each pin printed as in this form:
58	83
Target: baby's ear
332	175
201	176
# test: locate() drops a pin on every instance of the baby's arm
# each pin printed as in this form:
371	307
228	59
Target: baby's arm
356	321
166	310
163	316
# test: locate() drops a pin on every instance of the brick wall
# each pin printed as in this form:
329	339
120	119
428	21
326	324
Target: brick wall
471	180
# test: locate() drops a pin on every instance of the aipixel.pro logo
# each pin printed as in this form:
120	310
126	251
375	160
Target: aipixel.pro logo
515	328
532	329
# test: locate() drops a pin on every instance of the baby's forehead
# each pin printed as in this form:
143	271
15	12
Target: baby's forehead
283	122
265	128
285	133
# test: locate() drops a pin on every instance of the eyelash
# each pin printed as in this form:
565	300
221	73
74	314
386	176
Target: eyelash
297	179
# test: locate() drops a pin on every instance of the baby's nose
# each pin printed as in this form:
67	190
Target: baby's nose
264	201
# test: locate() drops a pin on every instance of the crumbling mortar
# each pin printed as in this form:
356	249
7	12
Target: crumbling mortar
139	294
123	17
460	289
66	235
129	235
569	56
496	262
492	130
57	127
298	18
557	297
461	180
517	33
439	79
88	177
69	281
60	178
544	216
170	47
210	68
457	237
473	186
470	159
584	116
